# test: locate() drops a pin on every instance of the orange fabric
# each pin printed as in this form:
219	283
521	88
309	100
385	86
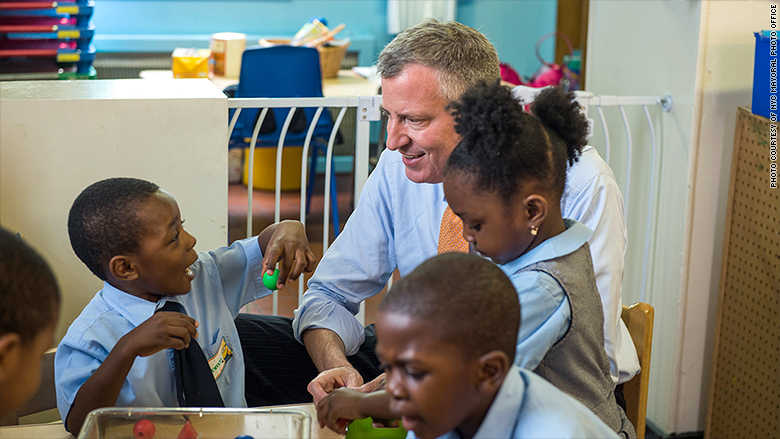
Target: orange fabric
451	233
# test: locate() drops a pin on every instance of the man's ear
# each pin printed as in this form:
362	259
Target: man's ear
122	268
10	355
536	209
494	366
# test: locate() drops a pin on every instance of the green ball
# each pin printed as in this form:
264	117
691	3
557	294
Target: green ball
270	281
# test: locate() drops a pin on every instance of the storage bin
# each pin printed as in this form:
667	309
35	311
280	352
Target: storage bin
264	171
765	73
208	423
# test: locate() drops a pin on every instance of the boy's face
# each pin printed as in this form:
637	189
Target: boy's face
432	385
492	230
20	374
166	250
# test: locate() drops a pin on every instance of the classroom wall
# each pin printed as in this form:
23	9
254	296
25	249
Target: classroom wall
58	137
709	73
162	25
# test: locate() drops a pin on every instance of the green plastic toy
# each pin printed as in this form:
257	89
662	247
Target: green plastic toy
364	429
270	281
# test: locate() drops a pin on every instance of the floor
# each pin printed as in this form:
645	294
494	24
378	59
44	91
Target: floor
263	215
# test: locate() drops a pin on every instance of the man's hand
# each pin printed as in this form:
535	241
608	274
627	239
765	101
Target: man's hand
286	242
332	379
378	383
339	407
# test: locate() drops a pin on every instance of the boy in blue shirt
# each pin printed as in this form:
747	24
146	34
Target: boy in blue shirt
120	350
446	337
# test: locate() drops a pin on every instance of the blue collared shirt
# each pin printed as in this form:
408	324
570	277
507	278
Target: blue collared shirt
225	280
527	406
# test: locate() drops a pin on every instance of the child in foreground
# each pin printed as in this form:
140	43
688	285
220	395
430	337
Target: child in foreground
120	350
446	337
29	309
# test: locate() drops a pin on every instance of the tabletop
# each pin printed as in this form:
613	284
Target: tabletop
347	83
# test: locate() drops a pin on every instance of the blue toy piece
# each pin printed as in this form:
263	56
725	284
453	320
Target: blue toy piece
244	436
270	281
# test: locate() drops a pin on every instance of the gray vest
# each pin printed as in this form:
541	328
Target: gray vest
578	363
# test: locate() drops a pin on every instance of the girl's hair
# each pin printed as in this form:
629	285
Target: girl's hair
503	147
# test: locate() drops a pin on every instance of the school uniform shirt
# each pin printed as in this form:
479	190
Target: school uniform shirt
592	197
527	406
396	224
225	280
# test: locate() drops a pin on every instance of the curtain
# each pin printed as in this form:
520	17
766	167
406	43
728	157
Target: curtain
402	14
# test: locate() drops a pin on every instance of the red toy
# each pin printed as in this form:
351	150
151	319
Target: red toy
188	431
144	429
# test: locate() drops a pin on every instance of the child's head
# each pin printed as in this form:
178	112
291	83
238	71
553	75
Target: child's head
29	308
129	232
446	335
506	176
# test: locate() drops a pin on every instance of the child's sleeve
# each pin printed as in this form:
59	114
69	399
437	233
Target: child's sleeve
74	363
545	316
239	271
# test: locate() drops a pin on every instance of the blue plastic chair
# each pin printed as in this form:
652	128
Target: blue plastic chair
285	72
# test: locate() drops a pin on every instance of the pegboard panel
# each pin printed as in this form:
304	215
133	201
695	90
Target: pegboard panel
745	386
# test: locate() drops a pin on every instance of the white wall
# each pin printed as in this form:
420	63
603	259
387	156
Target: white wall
649	48
702	54
57	137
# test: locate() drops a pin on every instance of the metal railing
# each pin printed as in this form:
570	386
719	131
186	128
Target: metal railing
367	111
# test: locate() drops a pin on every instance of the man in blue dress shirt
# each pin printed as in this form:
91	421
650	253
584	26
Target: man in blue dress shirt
397	221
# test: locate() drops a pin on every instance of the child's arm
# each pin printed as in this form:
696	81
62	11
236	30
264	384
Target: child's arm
286	241
163	330
343	405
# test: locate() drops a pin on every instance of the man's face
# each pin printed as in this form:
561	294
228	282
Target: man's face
418	125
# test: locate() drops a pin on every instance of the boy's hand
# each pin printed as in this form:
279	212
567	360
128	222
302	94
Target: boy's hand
339	407
163	330
288	244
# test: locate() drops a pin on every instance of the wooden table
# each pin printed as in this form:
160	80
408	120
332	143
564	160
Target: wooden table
57	430
347	83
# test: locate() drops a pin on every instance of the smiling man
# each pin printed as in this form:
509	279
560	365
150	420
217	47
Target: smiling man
398	224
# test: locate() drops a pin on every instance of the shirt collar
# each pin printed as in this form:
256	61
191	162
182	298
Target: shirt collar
502	414
559	245
135	309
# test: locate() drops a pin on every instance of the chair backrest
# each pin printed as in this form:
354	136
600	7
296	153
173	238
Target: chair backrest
280	72
45	398
639	320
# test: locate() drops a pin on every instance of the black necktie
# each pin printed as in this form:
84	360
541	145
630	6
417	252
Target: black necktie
195	385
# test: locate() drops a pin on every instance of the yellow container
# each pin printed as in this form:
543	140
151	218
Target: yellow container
190	63
264	172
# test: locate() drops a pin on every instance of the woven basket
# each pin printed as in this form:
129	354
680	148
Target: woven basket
330	55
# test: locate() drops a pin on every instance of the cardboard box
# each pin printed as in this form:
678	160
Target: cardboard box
190	63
